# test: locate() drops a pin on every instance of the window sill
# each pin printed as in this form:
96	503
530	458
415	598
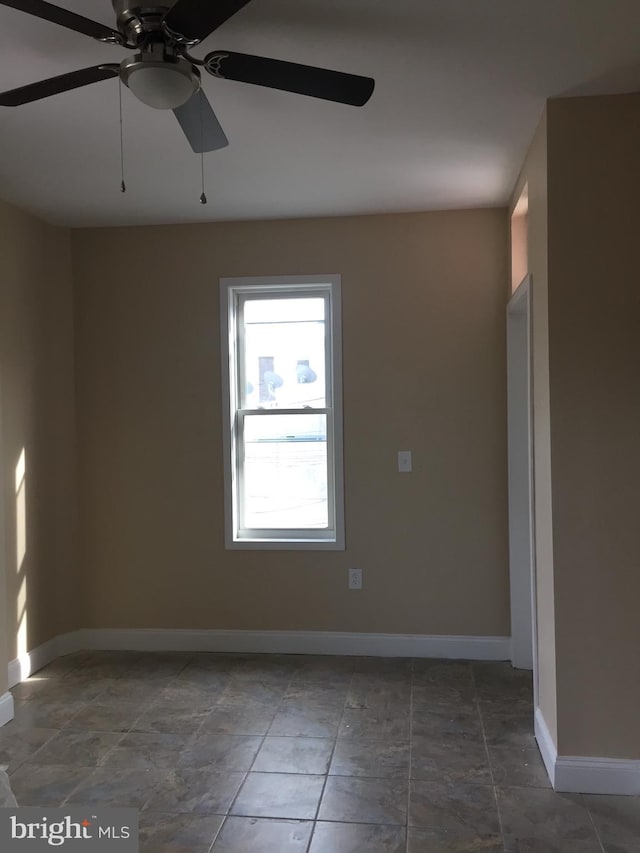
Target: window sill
285	545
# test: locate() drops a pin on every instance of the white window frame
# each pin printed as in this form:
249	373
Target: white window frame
232	290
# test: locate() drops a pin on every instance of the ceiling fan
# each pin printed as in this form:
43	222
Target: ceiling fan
163	74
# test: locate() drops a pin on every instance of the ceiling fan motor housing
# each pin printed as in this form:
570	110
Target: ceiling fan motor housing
137	22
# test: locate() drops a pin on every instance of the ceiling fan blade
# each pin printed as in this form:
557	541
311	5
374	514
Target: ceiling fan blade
65	19
200	125
54	85
291	77
194	20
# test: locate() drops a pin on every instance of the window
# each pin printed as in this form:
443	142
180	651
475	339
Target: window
282	394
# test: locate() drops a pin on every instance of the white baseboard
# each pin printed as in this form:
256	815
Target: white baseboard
22	666
546	745
582	774
17	672
597	775
300	642
6	709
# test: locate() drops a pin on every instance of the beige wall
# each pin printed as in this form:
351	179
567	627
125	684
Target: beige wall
424	369
38	416
534	175
594	337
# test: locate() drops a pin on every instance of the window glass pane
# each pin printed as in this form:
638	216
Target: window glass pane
285	471
283	354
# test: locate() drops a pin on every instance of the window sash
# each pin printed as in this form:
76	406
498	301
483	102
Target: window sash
241	297
244	531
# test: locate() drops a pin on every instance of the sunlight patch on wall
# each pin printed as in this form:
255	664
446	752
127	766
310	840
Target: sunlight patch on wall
21	511
21	552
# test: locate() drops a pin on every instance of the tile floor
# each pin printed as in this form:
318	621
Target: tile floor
298	754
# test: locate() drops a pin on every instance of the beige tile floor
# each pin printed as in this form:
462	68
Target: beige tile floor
300	754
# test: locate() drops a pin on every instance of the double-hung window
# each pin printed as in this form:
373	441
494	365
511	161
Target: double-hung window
282	409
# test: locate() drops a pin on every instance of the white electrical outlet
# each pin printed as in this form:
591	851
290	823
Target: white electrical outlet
355	578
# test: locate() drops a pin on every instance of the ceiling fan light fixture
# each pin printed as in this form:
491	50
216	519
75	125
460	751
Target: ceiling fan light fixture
161	84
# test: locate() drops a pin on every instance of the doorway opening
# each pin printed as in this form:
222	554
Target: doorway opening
520	436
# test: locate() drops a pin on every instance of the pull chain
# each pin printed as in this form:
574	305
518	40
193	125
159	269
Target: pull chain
123	186
203	197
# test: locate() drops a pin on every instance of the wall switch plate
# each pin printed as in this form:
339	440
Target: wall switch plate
355	578
404	461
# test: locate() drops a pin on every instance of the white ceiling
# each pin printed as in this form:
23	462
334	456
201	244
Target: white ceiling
460	86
